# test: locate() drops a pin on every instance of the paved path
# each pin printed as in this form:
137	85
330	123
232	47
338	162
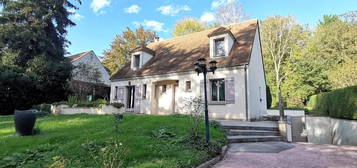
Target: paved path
303	155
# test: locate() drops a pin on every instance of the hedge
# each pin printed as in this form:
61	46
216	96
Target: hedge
340	103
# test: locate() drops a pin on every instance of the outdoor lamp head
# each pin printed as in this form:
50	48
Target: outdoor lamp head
213	65
201	61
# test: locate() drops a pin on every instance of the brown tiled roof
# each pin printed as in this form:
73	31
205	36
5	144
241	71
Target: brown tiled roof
219	31
77	56
145	49
180	53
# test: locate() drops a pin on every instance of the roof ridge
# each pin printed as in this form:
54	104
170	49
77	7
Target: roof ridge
210	29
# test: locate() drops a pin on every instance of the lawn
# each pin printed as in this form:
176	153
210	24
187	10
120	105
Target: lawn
64	139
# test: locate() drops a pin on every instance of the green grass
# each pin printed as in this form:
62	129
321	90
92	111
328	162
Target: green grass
63	135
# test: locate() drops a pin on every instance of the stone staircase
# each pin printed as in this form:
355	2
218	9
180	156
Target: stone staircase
241	131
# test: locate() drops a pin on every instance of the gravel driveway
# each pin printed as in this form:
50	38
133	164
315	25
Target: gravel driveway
304	155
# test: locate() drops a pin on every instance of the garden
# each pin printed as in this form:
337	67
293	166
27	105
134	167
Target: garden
84	140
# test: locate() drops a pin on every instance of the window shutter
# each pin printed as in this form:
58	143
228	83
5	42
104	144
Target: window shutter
229	91
137	99
202	92
120	95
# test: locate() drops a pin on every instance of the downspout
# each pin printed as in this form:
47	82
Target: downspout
246	92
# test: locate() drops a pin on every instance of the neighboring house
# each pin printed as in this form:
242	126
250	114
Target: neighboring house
90	59
161	75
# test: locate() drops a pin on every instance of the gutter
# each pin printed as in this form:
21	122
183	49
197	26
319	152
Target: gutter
246	91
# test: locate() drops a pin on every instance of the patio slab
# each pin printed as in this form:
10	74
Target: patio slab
304	155
260	147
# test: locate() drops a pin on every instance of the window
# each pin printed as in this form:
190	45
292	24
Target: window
188	85
116	93
218	90
144	91
219	47
130	96
136	61
163	88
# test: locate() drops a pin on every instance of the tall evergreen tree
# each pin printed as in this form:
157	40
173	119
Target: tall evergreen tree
32	42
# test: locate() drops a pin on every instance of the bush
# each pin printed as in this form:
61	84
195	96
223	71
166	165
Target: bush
340	103
117	105
44	108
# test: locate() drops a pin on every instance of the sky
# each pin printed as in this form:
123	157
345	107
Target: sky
99	21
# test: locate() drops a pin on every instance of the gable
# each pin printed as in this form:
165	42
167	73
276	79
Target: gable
180	53
91	58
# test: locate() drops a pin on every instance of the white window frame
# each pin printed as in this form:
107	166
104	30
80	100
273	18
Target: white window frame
215	47
228	43
133	60
188	89
211	91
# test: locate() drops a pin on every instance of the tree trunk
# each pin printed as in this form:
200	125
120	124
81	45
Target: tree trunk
281	104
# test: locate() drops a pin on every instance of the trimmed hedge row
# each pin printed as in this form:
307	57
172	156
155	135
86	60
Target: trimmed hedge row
340	103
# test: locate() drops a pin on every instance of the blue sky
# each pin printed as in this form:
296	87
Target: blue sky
99	21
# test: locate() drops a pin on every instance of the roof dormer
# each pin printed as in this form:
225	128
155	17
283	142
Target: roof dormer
221	42
139	56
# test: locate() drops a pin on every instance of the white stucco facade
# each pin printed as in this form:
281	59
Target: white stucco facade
257	105
244	87
236	110
91	59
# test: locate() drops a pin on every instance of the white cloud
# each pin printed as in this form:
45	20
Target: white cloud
152	24
217	3
97	5
207	17
173	10
155	25
132	9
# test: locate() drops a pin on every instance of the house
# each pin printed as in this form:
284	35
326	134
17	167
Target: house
161	75
93	73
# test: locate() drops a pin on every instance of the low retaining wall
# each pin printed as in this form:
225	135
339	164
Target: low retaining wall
294	113
65	109
326	130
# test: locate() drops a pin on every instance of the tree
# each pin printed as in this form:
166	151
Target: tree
279	37
229	13
32	42
119	52
187	26
343	75
332	52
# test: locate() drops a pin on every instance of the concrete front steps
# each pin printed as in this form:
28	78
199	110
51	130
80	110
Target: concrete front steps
241	131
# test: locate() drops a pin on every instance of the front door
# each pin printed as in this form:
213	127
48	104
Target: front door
165	98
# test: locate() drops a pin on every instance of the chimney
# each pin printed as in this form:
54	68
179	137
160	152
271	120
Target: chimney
156	39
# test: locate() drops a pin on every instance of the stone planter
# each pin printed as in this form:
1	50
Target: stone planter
24	122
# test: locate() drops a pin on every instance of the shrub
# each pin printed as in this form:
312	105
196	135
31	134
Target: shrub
74	101
194	107
340	103
43	108
117	105
162	133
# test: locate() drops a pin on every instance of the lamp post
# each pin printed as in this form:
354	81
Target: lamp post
201	67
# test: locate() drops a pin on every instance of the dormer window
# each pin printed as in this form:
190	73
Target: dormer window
219	49
221	42
137	61
140	56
